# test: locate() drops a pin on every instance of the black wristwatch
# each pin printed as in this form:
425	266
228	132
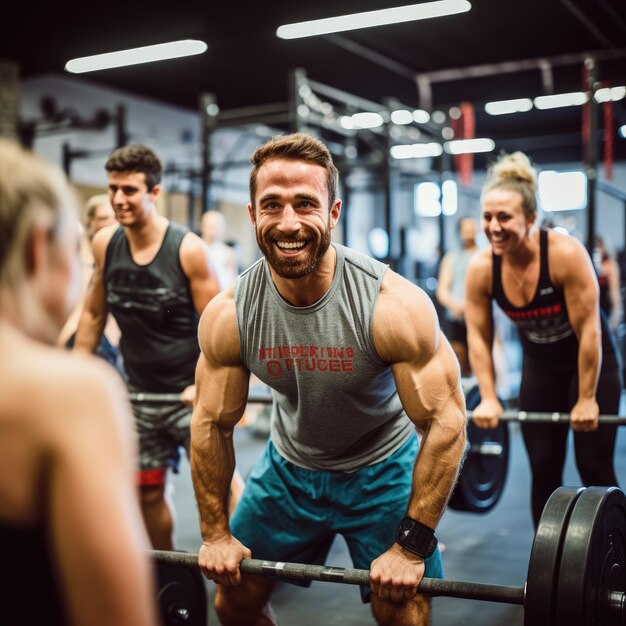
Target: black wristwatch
416	537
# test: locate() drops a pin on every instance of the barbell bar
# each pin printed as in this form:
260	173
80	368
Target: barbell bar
351	576
149	396
506	416
576	571
546	418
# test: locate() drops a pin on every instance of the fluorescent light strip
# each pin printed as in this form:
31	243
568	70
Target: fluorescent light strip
416	151
368	19
505	107
469	146
134	56
402	117
421	117
576	98
610	94
362	120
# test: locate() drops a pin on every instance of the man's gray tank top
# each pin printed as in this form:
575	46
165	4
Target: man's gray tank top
335	401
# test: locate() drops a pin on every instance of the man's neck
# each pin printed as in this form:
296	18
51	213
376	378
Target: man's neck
147	232
145	240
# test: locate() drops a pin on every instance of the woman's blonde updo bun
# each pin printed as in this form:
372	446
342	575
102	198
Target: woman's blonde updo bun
515	172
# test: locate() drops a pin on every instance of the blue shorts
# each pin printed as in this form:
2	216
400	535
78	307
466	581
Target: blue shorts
288	513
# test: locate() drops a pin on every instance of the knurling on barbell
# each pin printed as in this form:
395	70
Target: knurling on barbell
576	571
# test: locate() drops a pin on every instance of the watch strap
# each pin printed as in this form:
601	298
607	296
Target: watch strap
416	537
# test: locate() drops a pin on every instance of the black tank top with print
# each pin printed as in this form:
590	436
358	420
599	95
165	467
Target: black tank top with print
154	309
543	324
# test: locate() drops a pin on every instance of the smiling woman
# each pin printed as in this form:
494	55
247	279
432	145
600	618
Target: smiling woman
545	283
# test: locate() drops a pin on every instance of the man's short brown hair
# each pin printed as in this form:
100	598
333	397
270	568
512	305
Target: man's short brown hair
295	146
136	158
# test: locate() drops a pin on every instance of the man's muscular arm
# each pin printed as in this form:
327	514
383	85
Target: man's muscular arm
222	392
407	335
94	316
203	283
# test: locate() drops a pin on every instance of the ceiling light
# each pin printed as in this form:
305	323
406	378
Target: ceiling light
421	116
562	191
416	151
401	117
362	121
610	94
621	131
469	146
576	98
367	19
504	107
134	56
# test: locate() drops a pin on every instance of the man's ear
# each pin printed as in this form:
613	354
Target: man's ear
335	212
37	246
251	214
156	192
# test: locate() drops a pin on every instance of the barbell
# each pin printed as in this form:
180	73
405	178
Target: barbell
482	478
576	571
506	416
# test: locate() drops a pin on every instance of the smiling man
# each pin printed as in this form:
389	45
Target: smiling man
155	278
357	363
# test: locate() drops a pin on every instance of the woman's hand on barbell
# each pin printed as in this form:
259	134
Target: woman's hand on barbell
487	413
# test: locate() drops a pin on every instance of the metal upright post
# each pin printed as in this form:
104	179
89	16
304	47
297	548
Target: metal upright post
591	151
121	134
208	122
66	158
297	79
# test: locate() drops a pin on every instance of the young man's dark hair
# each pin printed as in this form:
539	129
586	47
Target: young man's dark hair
136	158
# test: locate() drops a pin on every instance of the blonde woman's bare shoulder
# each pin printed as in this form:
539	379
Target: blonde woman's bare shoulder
57	388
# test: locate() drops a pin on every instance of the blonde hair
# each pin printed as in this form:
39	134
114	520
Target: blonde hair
514	172
89	210
33	193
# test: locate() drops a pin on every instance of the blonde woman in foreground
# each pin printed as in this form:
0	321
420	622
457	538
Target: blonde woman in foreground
73	545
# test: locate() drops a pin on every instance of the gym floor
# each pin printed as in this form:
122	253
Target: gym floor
491	548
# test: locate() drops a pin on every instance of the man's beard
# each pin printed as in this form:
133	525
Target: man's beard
298	267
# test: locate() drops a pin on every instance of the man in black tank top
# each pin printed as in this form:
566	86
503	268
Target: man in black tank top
155	278
545	283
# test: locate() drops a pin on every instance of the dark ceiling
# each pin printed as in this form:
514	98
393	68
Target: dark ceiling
246	64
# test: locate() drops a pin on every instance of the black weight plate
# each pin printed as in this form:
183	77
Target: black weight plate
181	594
593	560
482	477
545	557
